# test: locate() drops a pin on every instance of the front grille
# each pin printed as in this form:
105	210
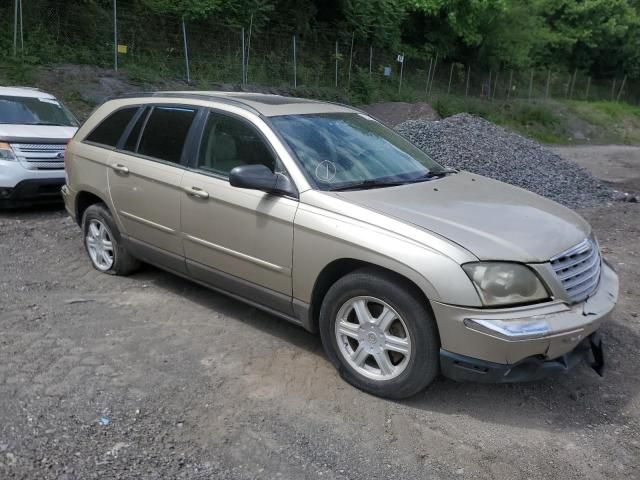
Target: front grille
578	269
40	156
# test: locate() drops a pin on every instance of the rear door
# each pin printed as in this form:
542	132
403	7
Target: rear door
144	182
236	239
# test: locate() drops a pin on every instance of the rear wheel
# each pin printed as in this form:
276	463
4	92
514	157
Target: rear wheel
103	242
380	334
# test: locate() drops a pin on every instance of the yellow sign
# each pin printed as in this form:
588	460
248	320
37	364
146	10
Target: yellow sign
122	49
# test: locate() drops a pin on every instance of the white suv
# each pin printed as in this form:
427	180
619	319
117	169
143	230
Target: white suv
34	130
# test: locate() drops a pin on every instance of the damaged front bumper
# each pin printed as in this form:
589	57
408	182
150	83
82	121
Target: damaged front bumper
479	345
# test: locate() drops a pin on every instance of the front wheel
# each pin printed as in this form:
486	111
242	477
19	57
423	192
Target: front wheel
380	334
103	242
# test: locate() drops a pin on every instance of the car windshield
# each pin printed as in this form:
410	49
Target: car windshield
352	150
35	111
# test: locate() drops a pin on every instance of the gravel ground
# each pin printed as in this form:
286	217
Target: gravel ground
471	143
152	376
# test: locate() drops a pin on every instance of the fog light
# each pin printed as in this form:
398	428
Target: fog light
5	192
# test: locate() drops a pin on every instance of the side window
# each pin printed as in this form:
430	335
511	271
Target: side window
108	132
132	140
166	132
228	142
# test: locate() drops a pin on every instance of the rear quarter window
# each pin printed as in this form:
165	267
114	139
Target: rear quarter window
109	131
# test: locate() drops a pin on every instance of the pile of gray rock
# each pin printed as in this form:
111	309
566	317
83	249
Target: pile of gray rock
467	142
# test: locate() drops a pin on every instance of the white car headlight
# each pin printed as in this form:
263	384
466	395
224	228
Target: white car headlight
503	283
6	152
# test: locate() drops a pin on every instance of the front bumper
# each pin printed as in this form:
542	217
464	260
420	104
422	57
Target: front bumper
28	192
466	369
569	326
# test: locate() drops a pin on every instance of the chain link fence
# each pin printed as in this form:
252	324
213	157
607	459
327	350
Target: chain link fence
152	46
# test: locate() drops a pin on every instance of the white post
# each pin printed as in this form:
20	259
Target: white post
450	78
370	58
586	96
186	50
115	35
243	64
295	73
353	35
530	84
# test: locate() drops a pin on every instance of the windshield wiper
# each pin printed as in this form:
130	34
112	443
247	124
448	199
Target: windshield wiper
48	124
367	184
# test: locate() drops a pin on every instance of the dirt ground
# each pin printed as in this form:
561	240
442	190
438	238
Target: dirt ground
152	377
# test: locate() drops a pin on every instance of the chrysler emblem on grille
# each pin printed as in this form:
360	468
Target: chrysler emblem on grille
60	155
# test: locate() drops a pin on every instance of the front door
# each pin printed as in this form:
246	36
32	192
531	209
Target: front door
235	239
145	183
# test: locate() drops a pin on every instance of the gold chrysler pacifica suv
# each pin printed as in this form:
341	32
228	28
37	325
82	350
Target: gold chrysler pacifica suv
319	214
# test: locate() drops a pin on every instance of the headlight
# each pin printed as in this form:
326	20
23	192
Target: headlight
6	152
502	283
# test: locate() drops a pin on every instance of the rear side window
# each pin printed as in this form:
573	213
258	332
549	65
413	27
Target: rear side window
109	131
165	134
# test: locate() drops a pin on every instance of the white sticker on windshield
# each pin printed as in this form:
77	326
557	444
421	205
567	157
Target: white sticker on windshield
52	101
325	171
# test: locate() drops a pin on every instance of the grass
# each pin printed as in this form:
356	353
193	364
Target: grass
616	122
533	119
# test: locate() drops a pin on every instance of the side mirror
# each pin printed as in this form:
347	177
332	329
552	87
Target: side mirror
260	177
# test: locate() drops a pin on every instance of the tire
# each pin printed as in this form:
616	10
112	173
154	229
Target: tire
99	230
384	296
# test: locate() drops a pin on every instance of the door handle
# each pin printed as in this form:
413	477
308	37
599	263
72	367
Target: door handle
196	192
118	167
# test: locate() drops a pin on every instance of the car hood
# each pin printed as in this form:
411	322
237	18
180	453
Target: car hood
35	133
491	219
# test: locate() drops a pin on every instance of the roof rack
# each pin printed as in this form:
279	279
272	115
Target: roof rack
214	95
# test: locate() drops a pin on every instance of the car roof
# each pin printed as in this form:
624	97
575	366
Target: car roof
24	92
265	104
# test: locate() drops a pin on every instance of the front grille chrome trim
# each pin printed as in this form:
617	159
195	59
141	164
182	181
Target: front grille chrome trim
578	270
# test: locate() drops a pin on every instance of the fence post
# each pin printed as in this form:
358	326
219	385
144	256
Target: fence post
295	67
450	78
546	93
495	85
510	84
15	29
466	91
586	96
186	50
613	89
490	90
370	58
433	73
243	64
530	83
426	87
573	83
21	29
115	35
336	64
624	80
401	70
353	36
246	61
